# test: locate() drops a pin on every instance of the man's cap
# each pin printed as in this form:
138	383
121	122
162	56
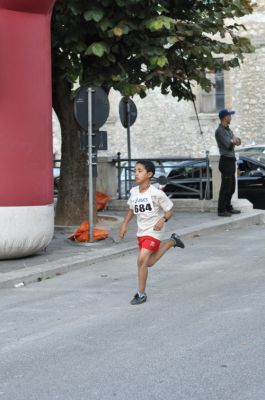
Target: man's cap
223	113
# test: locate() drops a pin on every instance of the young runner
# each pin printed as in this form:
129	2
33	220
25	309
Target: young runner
153	209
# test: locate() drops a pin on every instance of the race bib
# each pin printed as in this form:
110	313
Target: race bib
142	204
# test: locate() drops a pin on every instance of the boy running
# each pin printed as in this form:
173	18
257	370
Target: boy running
153	209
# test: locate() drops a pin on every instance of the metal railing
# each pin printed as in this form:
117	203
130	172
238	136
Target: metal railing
196	184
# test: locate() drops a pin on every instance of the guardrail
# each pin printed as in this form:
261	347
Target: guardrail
196	185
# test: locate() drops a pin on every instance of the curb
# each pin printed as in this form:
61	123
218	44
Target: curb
240	221
37	273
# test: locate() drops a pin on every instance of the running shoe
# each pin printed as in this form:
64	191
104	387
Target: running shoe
138	299
178	242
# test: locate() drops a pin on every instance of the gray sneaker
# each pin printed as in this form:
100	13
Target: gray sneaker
138	299
178	242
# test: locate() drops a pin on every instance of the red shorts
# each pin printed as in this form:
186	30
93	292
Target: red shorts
148	242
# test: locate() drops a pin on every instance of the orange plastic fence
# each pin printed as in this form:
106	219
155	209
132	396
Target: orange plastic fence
82	233
101	200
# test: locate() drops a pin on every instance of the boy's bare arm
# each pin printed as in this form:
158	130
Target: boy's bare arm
124	226
160	223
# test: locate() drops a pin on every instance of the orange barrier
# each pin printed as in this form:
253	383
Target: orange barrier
101	200
82	233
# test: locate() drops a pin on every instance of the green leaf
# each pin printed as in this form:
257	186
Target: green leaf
172	39
129	89
97	49
95	14
157	23
117	31
105	24
153	60
161	61
121	29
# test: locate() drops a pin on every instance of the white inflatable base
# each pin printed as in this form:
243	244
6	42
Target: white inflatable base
25	230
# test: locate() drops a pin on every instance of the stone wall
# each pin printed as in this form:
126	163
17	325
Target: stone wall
161	128
248	89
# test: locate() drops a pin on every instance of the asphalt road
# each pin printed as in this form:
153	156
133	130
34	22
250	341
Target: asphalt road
200	336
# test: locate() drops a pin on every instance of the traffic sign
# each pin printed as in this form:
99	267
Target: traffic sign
100	107
127	111
99	140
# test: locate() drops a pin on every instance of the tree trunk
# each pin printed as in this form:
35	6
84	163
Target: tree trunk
72	203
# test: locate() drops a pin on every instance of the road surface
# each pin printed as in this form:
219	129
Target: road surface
200	336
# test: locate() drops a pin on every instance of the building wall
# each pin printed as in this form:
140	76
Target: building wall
248	89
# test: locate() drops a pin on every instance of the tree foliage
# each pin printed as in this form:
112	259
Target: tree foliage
133	45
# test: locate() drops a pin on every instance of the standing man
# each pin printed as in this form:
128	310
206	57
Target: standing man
226	142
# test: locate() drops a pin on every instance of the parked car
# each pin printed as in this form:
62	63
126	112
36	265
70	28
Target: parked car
127	177
255	148
189	179
256	151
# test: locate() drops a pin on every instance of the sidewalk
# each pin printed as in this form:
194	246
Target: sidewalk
63	255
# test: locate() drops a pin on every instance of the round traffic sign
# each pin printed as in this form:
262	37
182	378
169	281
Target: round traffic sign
100	107
127	111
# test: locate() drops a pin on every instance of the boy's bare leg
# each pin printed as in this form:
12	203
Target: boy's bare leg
163	248
143	263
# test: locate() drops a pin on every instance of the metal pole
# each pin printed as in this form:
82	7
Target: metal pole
119	174
201	186
128	113
90	168
207	188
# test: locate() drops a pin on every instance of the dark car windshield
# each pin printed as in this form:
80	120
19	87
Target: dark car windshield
256	155
256	152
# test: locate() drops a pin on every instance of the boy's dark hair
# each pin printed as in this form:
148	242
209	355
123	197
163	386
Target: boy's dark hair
149	165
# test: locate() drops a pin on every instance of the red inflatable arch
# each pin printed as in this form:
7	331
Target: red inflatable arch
26	181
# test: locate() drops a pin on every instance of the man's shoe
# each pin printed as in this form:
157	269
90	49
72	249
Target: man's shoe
138	299
234	211
224	214
177	241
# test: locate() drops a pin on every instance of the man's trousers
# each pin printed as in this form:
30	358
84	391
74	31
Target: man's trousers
227	167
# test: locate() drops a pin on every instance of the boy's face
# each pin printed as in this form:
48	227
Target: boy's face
141	175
